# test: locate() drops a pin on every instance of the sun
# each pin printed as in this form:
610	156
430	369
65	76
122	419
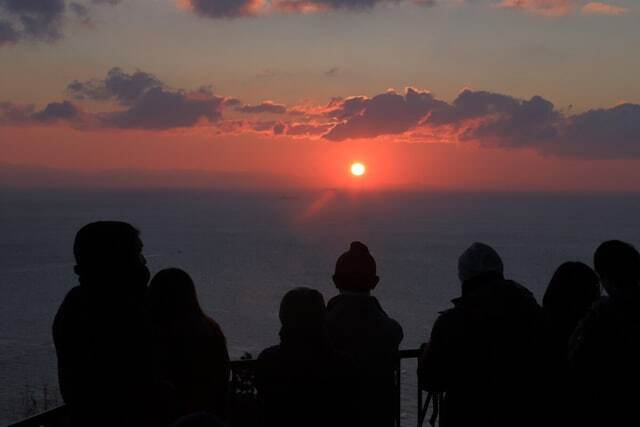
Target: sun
358	169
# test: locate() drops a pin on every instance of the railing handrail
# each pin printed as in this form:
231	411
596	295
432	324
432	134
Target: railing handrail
52	415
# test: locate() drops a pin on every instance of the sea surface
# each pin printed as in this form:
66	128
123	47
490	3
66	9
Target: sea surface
245	250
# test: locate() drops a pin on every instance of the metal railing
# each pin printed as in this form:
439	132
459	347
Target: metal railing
242	386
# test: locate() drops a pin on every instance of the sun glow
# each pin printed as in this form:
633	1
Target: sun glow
358	169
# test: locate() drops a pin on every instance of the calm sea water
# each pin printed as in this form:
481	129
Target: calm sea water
244	250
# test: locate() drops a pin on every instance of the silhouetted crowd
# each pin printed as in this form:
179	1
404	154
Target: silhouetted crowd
133	353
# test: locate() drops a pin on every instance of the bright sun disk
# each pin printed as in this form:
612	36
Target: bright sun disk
358	169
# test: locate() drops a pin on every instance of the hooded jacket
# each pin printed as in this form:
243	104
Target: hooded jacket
486	355
604	360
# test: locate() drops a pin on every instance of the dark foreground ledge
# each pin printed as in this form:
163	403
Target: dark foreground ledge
242	387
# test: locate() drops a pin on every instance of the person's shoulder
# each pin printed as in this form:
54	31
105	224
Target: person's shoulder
213	328
70	312
517	289
269	353
520	296
269	362
73	300
395	328
447	319
77	293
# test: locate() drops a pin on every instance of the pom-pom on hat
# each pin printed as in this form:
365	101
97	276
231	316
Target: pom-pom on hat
356	269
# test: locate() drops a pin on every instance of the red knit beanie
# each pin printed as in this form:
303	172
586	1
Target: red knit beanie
355	269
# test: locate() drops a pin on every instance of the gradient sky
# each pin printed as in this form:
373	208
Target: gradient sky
482	94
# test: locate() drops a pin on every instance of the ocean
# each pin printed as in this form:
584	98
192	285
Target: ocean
244	250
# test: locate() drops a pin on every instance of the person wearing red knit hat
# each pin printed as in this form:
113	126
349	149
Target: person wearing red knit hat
358	326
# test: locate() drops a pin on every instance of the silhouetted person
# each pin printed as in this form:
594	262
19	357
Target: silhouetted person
304	381
605	350
189	348
359	327
485	353
99	329
573	289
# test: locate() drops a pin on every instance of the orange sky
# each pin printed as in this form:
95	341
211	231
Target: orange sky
285	162
498	94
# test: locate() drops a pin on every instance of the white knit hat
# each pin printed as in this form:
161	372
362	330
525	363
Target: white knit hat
477	260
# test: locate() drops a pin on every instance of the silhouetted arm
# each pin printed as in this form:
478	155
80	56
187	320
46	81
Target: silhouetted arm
585	342
70	336
435	367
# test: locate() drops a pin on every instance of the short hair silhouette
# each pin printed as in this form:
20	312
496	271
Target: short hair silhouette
356	269
573	288
105	249
99	329
618	265
479	259
302	308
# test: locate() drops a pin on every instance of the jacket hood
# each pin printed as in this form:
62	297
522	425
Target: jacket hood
496	296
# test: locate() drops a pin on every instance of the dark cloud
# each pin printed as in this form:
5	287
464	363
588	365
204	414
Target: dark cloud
160	109
426	3
491	120
387	114
124	88
473	104
499	120
232	102
603	133
150	103
485	118
278	129
41	20
263	107
225	8
8	34
345	108
14	114
351	4
261	126
303	129
37	19
532	122
81	11
55	111
320	5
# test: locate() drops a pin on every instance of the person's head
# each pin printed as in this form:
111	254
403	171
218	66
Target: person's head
573	288
302	312
109	255
618	265
356	270
479	260
171	296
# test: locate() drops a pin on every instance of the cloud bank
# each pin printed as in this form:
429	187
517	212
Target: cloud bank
139	100
225	9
